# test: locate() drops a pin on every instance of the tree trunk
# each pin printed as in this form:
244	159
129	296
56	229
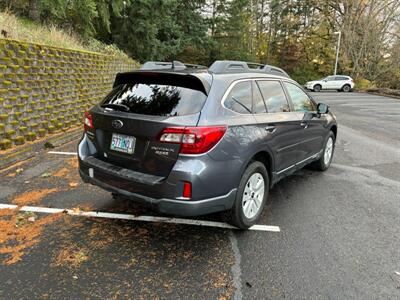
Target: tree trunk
34	10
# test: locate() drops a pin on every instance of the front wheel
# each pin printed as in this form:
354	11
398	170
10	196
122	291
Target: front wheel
251	196
325	160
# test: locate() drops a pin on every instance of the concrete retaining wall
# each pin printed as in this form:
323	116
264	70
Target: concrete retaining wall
45	89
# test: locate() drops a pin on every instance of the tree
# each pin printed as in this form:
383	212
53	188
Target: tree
148	33
296	35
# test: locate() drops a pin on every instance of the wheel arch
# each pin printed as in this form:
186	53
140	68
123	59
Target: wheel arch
266	159
334	130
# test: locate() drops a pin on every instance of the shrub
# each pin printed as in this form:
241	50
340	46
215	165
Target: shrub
364	84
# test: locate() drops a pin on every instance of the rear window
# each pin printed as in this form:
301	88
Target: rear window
240	99
157	99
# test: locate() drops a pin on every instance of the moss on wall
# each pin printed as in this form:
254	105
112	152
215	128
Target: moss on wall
46	89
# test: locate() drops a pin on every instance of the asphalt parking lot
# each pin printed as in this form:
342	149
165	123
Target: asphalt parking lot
339	232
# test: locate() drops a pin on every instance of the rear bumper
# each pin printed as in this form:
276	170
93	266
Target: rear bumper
213	188
169	206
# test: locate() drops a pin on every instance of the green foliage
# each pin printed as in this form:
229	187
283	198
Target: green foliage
295	35
364	84
305	72
159	30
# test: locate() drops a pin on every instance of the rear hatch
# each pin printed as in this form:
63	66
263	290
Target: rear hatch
128	122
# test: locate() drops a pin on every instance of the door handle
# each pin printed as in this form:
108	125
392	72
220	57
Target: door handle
270	128
304	125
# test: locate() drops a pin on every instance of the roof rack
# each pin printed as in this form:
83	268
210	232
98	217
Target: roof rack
233	66
174	66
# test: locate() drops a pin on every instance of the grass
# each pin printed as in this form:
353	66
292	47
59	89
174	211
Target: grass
22	29
26	30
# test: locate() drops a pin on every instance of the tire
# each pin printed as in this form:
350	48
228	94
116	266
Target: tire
346	88
250	196
323	163
317	88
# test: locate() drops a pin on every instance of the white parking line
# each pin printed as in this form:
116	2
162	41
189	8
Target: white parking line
107	215
62	153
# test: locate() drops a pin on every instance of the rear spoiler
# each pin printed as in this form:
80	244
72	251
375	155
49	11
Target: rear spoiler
167	78
172	66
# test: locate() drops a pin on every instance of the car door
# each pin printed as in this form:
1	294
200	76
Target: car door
339	82
328	83
311	123
279	126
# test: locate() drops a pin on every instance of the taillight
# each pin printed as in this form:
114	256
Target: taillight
193	140
87	121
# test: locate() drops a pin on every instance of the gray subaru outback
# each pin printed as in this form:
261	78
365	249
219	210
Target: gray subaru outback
189	140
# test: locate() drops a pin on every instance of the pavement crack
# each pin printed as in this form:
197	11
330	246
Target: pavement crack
236	271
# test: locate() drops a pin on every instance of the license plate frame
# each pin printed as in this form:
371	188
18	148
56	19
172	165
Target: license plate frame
123	143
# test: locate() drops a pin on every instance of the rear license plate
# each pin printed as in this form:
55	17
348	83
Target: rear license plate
123	143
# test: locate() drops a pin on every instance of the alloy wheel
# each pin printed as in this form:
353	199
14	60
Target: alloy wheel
253	195
328	151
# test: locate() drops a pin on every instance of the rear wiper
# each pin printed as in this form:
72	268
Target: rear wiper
115	106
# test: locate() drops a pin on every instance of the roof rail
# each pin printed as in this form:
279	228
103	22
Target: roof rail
233	66
174	66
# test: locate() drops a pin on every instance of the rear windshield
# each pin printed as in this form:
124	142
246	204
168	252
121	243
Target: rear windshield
157	99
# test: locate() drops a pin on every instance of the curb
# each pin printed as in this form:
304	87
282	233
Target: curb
25	152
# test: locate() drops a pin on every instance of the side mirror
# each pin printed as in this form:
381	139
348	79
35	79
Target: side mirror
322	108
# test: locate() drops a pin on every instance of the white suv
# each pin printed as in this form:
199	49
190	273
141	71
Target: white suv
337	82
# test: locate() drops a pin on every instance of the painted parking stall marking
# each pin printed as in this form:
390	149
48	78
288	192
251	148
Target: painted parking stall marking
108	215
62	153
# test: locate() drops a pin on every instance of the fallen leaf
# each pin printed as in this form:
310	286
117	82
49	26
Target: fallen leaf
63	172
18	235
32	197
19	171
72	256
73	184
76	210
31	219
44	175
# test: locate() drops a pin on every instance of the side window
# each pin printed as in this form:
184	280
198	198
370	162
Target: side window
300	100
240	98
274	96
258	102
